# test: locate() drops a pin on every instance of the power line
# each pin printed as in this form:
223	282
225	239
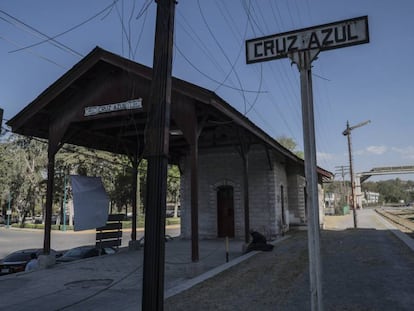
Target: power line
109	7
222	51
212	79
38	33
34	53
144	10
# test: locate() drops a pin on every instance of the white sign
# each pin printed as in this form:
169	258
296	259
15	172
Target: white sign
128	105
323	37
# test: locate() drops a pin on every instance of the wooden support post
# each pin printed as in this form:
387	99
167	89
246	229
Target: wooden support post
134	197
245	158
194	201
49	197
157	155
244	153
184	114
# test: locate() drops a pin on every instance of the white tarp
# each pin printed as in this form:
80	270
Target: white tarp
90	202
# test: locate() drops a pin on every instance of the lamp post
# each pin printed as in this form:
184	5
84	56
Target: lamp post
64	202
8	211
347	133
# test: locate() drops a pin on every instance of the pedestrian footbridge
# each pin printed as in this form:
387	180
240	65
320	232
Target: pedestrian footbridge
386	170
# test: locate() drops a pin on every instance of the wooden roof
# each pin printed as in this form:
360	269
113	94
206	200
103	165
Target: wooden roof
103	78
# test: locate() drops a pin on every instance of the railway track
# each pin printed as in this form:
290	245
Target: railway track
402	217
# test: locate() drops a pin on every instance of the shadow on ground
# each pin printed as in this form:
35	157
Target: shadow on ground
363	269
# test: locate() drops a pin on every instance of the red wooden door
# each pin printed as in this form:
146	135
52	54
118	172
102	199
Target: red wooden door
225	212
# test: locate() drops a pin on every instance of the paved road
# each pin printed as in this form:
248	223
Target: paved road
13	239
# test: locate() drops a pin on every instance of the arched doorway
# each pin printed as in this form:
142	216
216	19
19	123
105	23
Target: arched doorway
225	211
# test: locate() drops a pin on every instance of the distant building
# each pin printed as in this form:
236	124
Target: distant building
370	197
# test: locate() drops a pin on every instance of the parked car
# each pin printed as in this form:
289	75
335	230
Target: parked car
170	213
16	261
82	252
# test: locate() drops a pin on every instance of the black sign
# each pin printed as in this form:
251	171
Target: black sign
324	37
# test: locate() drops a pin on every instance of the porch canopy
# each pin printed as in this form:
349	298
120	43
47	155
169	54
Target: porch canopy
103	78
77	109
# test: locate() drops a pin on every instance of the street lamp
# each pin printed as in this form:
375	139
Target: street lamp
8	212
347	133
64	203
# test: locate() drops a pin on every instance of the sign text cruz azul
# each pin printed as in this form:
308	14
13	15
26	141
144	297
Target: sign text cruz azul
324	37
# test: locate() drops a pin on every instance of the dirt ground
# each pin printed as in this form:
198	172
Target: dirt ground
363	269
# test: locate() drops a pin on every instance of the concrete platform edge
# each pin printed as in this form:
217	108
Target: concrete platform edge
401	235
209	274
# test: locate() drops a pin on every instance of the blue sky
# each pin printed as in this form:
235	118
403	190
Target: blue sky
373	81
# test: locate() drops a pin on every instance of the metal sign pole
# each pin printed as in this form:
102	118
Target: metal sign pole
302	46
303	60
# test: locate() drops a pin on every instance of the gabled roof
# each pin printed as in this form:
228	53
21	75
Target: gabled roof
103	78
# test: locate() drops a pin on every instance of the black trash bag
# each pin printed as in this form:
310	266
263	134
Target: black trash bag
258	243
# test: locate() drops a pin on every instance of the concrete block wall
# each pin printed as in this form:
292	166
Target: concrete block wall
321	205
296	197
225	167
216	168
261	192
278	179
298	214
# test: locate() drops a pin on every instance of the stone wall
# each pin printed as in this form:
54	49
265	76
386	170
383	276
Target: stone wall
225	167
296	196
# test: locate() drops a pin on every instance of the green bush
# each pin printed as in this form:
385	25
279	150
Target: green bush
125	224
40	226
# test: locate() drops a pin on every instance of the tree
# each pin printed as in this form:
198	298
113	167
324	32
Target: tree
24	162
290	144
114	170
392	191
173	187
23	174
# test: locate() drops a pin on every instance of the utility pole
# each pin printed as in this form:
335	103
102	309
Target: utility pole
157	148
347	133
342	170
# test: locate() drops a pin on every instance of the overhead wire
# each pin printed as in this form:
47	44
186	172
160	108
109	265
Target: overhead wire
26	27
206	51
210	78
270	94
298	13
255	101
261	68
321	138
107	8
143	11
130	52
123	30
279	18
34	53
222	51
198	41
283	76
144	8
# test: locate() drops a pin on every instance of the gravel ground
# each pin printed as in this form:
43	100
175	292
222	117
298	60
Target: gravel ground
363	269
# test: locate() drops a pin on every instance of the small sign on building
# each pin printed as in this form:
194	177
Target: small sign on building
127	105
